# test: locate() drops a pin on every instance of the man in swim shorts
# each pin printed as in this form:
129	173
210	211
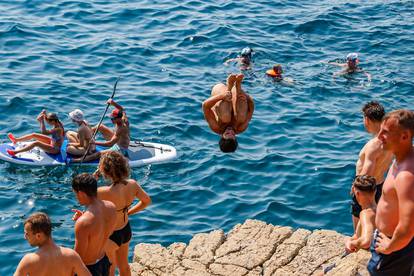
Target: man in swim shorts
93	226
49	259
117	139
373	159
79	141
364	188
244	60
350	67
228	111
393	247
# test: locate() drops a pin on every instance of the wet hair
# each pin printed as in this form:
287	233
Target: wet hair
228	145
405	118
114	165
39	223
365	183
86	183
374	111
278	66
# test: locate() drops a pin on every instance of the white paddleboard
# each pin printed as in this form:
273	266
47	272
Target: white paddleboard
140	154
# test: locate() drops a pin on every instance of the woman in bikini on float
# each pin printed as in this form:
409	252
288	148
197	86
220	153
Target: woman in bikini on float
48	144
122	192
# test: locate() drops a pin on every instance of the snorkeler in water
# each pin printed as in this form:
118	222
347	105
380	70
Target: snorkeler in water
350	67
244	59
276	74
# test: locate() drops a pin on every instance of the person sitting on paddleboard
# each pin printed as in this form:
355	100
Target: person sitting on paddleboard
228	111
350	67
48	144
244	60
117	139
79	141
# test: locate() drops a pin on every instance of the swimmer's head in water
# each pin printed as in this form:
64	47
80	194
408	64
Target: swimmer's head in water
275	72
364	184
352	59
246	52
278	69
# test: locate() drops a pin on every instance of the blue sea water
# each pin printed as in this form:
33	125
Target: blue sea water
296	161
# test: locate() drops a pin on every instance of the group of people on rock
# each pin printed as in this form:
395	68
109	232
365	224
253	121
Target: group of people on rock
383	210
102	230
81	144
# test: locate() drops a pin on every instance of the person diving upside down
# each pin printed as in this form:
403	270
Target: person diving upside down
228	111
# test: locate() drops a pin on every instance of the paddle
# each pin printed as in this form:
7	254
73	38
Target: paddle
99	124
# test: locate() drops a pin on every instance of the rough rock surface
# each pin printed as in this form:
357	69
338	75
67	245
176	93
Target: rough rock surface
253	248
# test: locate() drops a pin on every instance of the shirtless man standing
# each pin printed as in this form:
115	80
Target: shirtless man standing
393	246
373	160
50	259
118	139
228	111
79	141
93	226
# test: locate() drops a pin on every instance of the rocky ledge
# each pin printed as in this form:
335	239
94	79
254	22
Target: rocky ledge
253	248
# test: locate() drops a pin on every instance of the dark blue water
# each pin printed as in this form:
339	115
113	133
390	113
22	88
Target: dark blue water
295	162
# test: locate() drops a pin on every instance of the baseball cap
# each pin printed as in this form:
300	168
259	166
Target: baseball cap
116	113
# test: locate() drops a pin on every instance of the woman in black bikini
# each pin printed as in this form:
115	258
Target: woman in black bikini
122	192
43	141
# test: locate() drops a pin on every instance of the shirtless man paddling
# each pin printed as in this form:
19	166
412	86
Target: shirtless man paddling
117	139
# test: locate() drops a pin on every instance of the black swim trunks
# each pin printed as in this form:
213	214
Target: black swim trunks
101	268
356	208
399	263
122	236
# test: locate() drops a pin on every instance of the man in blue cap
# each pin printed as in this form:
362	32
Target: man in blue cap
350	67
244	59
